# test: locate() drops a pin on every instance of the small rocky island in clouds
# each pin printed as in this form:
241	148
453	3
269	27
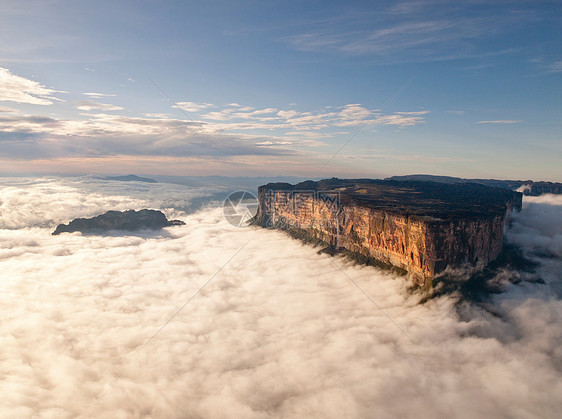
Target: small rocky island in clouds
131	220
422	228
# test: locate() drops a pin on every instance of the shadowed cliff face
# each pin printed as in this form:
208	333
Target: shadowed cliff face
422	227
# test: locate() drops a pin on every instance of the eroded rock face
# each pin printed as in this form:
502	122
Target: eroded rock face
119	220
421	227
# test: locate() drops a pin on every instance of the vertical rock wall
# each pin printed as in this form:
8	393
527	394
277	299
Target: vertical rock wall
423	246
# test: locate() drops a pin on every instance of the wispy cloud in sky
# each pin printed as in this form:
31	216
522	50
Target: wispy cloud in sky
500	121
193	107
97	95
412	31
555	67
237	129
343	116
14	88
90	105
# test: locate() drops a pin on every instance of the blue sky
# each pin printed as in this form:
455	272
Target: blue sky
467	89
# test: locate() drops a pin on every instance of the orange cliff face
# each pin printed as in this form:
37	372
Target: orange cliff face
421	227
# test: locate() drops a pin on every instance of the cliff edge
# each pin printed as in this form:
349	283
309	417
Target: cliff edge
420	227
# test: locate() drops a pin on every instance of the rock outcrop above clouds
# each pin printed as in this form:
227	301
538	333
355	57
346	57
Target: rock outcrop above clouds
119	220
420	227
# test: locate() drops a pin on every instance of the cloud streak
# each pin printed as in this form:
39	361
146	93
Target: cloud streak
98	95
247	118
411	31
500	121
14	88
90	105
193	107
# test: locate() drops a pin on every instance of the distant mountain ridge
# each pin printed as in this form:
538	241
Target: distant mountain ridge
530	187
130	178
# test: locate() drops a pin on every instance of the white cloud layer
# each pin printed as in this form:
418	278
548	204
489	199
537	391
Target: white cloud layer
279	332
14	88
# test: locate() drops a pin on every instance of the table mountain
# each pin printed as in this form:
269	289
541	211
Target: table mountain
420	227
130	220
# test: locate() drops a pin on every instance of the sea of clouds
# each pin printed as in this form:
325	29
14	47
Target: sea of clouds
276	331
